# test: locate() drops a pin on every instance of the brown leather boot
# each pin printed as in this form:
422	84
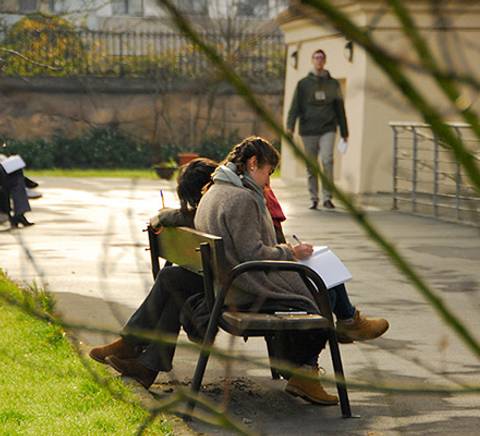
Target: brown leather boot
119	348
310	390
134	369
361	328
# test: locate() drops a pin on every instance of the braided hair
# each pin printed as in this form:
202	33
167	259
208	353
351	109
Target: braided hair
253	146
191	179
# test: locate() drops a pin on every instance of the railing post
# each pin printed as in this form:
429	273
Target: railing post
435	175
121	54
458	179
395	167
414	168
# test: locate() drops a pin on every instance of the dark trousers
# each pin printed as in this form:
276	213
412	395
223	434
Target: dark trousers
303	348
13	188
340	303
160	312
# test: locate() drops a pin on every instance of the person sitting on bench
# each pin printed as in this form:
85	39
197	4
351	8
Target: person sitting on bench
160	311
249	235
143	360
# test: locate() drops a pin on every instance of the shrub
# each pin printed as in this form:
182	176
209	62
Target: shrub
43	40
98	148
109	148
217	147
36	153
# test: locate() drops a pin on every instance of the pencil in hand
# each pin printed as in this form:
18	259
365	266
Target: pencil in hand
163	199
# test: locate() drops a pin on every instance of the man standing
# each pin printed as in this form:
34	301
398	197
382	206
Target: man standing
318	103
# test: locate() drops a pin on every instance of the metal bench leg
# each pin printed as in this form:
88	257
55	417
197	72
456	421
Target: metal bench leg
197	378
271	356
204	355
338	368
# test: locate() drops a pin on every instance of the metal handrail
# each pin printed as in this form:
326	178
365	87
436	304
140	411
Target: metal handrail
420	168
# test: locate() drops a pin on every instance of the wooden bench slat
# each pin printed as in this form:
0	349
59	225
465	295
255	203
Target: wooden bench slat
242	321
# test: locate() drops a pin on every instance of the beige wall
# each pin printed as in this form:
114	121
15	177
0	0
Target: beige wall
371	100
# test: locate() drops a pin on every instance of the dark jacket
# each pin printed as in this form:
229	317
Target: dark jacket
175	217
318	103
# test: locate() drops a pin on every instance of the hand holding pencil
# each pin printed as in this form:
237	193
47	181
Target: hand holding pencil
301	251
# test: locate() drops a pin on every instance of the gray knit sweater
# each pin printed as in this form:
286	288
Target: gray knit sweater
233	213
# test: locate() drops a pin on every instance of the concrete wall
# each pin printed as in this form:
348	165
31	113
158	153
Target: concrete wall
42	108
371	99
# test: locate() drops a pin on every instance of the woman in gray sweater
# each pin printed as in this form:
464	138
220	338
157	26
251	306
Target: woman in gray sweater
234	208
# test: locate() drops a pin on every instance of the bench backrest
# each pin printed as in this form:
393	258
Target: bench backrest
195	251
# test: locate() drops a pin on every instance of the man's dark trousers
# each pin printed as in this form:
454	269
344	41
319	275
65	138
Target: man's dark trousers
160	313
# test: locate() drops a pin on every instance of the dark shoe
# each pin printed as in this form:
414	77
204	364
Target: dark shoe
119	348
16	220
362	328
134	369
327	204
13	221
310	390
314	205
29	183
24	222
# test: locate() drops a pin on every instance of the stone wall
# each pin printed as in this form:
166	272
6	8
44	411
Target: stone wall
183	114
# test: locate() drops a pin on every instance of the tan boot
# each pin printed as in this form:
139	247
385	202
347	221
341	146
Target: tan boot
134	369
310	390
362	328
119	348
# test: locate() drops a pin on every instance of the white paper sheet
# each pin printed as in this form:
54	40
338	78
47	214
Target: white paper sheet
328	266
342	146
12	163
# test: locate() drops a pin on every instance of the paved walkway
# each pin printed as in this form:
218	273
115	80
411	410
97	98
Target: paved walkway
88	248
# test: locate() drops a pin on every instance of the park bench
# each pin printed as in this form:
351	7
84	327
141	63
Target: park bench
204	254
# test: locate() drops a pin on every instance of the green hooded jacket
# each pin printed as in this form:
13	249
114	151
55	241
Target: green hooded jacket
318	103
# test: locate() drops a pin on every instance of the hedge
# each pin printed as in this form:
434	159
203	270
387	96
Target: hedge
109	148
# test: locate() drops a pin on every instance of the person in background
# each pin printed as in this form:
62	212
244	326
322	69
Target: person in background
318	104
13	190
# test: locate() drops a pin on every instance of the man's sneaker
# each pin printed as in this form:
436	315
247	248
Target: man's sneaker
327	204
313	205
361	328
310	390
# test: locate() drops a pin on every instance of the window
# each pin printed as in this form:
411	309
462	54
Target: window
127	7
197	7
27	6
253	8
56	5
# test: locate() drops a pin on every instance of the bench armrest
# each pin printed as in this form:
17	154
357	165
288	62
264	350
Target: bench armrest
319	294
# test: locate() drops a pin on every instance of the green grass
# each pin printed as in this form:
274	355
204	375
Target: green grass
128	173
45	389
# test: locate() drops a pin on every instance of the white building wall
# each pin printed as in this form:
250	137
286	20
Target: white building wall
371	100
